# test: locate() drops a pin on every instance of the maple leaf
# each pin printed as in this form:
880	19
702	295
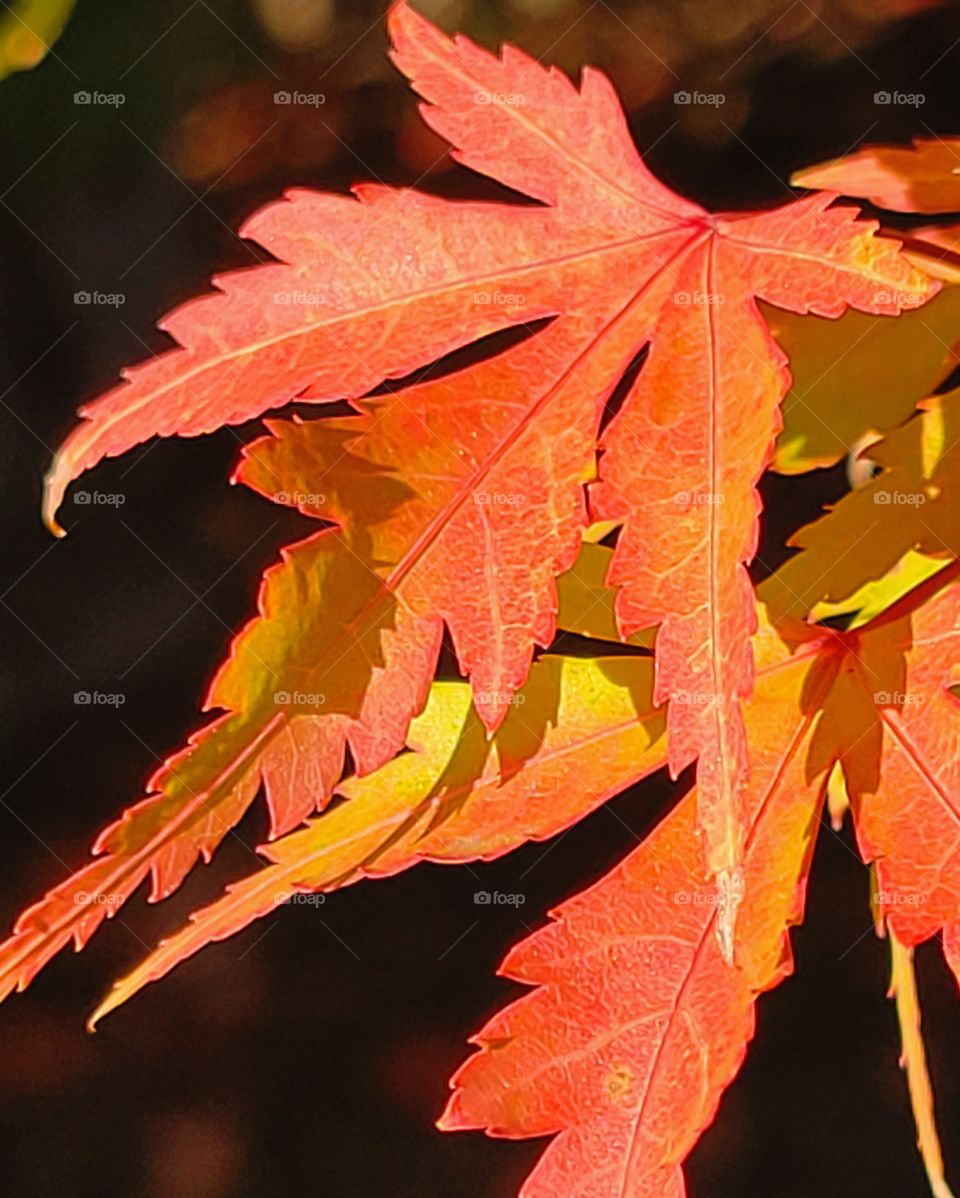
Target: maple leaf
627	1073
587	600
682	434
921	177
858	377
890	720
468	504
341	652
902	760
375	286
637	1024
399	279
873	597
696	434
910	506
586	730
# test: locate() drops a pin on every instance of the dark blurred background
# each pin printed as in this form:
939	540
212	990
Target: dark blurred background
312	1052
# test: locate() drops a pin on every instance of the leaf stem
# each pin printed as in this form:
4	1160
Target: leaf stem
913	1061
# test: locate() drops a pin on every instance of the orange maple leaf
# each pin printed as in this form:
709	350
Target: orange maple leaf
395	280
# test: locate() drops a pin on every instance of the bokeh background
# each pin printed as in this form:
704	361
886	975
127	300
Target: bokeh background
311	1053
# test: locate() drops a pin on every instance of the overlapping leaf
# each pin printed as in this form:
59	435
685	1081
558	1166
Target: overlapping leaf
580	731
370	287
903	772
858	377
682	437
637	1024
911	504
891	721
679	467
429	530
921	177
454	504
374	286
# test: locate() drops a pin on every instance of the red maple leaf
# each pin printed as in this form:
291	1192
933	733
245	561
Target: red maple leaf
453	504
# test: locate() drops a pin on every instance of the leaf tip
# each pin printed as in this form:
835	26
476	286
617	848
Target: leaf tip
107	1005
452	1118
53	489
399	14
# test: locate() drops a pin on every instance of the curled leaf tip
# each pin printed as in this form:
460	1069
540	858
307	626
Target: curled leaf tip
53	489
108	1004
